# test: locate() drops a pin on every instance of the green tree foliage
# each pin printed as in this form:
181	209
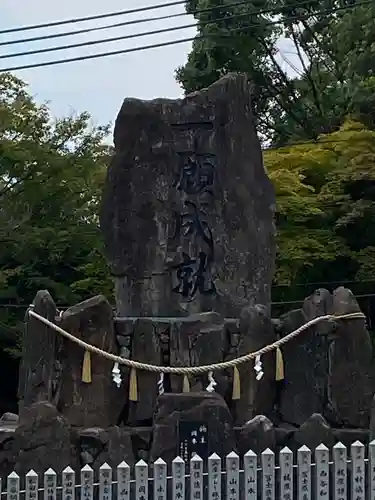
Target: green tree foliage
334	47
326	206
51	173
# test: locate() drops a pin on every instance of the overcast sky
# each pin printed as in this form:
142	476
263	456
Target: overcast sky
97	85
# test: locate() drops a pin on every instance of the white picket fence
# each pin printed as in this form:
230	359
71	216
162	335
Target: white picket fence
322	474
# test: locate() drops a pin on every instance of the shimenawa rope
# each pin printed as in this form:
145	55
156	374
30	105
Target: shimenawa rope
194	370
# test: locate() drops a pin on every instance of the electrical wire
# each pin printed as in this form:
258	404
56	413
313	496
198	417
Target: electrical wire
145	20
286	302
92	18
317	283
146	33
175	42
318	142
127	12
65	306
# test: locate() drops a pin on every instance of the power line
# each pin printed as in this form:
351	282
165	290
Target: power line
137	35
138	21
285	302
307	143
175	42
125	12
316	283
65	306
92	18
96	56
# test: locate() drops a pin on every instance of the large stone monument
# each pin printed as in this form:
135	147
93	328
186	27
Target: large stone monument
187	217
187	212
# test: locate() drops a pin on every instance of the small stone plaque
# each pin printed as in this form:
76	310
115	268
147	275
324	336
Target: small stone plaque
192	440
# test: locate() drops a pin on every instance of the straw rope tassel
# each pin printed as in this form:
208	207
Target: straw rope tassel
133	386
186	384
86	368
279	365
236	394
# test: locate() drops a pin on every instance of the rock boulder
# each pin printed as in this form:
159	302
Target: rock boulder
99	403
207	408
187	210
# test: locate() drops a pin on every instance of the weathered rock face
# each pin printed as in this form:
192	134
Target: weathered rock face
40	370
99	403
257	396
314	432
98	446
193	340
351	369
200	341
305	361
372	420
331	362
257	435
146	349
43	440
209	409
187	211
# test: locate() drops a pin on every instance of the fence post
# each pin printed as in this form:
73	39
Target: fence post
358	471
50	480
371	469
340	472
160	480
304	473
286	474
141	480
31	486
233	475
214	477
268	475
123	478
13	486
178	479
105	482
68	484
322	472
196	478
87	483
250	465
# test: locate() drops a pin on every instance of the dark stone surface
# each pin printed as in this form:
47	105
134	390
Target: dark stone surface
257	435
99	403
200	341
314	432
145	349
39	374
141	442
9	419
91	443
8	455
351	371
305	360
43	440
145	198
372	419
257	397
112	446
194	407
283	434
350	436
331	362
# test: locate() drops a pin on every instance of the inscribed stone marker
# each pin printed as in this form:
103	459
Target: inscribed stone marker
187	209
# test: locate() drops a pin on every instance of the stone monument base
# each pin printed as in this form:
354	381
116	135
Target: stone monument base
190	423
